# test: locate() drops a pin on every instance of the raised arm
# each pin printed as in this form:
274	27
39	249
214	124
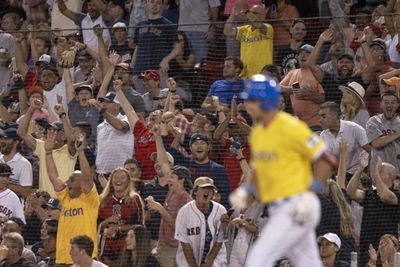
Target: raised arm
52	172
390	17
341	174
69	86
162	158
87	176
316	70
19	58
113	59
68	130
35	104
352	187
65	11
385	195
125	105
230	29
4	114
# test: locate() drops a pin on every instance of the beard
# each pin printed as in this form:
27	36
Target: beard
6	149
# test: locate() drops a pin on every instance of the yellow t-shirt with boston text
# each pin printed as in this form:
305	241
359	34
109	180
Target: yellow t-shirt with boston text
256	49
282	154
78	217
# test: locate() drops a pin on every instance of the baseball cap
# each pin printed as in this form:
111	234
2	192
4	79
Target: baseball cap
5	169
355	88
120	3
110	97
331	237
53	204
119	25
182	172
58	126
198	137
10	133
379	42
43	122
84	87
124	66
150	75
171	160
348	56
51	68
306	47
203	182
83	55
45	59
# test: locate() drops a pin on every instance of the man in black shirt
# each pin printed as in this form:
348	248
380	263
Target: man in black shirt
381	206
156	41
286	55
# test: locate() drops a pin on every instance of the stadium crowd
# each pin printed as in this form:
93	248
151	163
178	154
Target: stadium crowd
123	127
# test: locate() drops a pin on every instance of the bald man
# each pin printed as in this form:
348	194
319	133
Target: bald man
381	206
256	44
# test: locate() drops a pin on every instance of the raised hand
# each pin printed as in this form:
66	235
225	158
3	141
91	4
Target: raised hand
156	130
167	117
327	35
373	255
342	146
18	37
50	141
114	58
98	31
175	99
35	103
378	168
59	109
117	84
171	84
80	143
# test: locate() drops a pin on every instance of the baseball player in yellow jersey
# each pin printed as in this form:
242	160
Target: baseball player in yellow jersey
288	161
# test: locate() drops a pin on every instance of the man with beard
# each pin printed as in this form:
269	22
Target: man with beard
64	154
341	72
92	19
383	132
286	56
86	64
200	164
21	177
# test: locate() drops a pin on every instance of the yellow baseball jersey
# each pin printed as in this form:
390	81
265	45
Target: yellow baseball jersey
282	154
78	217
255	49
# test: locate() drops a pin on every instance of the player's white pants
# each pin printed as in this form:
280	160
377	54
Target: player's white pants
283	237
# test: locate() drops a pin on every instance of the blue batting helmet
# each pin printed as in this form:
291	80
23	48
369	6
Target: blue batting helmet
264	89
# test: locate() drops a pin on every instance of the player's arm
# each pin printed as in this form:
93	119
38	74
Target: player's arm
189	255
213	254
52	172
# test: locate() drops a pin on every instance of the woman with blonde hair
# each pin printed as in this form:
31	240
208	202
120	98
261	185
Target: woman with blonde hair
120	208
352	104
337	217
384	257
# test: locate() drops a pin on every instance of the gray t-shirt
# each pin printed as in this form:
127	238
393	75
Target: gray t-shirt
378	126
361	118
195	12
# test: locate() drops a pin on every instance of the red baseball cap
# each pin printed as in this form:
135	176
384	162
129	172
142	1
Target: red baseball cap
150	75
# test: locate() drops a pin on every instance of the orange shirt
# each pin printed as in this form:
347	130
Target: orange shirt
281	32
305	110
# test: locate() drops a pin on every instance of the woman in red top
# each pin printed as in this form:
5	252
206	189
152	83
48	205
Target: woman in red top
120	208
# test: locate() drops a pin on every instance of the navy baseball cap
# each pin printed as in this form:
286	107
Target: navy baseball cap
198	137
111	97
10	133
53	204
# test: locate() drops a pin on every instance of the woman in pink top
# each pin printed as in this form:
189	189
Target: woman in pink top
283	16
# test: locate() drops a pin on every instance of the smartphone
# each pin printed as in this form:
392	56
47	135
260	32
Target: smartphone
295	86
235	146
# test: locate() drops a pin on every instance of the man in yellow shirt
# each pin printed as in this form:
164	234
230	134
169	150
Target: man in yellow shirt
64	154
256	44
79	199
286	156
